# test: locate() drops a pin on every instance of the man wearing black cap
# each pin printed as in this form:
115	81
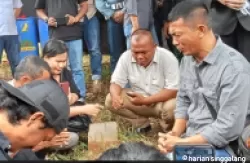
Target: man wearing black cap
31	114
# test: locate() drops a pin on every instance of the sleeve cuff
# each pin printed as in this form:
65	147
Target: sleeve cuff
213	137
19	5
171	87
118	82
180	114
109	14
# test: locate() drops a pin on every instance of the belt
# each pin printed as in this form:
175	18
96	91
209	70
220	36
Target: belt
116	6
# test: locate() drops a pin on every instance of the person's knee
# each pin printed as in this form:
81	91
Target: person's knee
170	105
73	139
168	110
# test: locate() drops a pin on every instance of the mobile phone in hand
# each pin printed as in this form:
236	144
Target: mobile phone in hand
130	94
65	87
62	21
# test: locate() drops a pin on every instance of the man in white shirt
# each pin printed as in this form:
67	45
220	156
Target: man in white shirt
153	74
9	11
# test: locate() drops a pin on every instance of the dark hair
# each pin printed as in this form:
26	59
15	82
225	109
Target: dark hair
15	108
186	8
133	151
33	66
54	47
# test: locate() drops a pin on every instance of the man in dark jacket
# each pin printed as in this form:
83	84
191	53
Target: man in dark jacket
231	24
167	7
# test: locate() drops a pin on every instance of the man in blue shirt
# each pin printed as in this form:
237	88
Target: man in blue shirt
9	11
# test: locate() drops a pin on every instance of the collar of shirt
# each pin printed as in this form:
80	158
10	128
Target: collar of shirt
4	143
212	55
11	82
155	59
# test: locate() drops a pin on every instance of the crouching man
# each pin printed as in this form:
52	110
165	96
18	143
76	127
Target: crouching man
31	114
213	103
153	74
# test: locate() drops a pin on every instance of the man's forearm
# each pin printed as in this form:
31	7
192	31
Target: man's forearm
134	21
77	110
41	14
162	96
220	1
17	12
41	145
83	10
197	139
115	90
179	127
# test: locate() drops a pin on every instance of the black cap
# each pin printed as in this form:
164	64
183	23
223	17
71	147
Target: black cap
48	97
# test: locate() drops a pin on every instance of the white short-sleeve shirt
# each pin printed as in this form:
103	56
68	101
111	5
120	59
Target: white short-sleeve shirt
163	72
7	16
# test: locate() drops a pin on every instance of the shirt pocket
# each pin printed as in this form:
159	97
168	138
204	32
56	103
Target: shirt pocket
134	82
209	92
156	85
188	88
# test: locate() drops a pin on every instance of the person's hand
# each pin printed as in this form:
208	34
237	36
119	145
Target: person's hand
72	19
117	102
222	2
166	142
118	16
72	98
60	139
52	22
134	29
136	98
56	141
248	143
165	30
92	109
235	4
159	3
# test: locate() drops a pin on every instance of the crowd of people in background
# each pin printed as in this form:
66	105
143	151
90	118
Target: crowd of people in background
184	62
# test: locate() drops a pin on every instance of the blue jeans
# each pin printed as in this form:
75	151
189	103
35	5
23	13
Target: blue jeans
91	35
128	33
116	41
75	50
11	45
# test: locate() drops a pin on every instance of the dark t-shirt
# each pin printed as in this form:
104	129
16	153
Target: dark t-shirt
58	9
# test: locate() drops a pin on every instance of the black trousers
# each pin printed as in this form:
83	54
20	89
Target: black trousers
239	40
